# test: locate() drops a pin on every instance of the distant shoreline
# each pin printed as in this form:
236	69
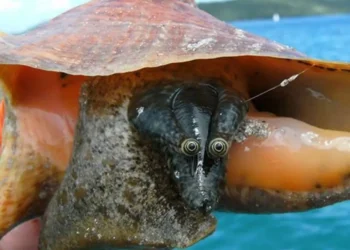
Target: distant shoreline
247	10
258	9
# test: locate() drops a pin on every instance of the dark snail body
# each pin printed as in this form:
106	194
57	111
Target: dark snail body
193	124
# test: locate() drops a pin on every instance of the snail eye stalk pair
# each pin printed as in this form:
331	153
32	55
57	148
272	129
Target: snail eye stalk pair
217	147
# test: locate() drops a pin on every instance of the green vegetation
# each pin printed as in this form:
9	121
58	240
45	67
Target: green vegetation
252	9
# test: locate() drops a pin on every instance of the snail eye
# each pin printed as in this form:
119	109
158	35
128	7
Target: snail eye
190	147
218	147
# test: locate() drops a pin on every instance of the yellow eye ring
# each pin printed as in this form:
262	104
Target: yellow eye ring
190	147
218	147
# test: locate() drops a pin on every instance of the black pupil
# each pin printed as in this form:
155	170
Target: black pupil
191	146
219	147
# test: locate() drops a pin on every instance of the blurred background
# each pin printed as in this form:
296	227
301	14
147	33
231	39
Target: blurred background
319	28
19	15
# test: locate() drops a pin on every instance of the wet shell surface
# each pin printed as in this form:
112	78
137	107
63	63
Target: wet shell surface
68	148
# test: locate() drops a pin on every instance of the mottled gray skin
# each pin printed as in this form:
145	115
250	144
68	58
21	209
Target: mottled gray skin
170	114
117	193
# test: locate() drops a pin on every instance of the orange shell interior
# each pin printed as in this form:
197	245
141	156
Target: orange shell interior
36	144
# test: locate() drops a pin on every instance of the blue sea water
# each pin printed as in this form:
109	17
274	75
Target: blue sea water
322	229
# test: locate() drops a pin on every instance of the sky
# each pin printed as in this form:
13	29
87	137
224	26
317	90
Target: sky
19	15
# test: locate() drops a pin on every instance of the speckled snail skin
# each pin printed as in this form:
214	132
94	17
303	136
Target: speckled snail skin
79	144
194	125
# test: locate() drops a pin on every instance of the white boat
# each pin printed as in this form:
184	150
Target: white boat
276	17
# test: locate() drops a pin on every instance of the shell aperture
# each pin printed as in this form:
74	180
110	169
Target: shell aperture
193	124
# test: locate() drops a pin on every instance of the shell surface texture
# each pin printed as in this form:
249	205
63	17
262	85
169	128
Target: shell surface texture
126	123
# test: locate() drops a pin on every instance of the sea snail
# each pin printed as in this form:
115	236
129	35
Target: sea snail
194	125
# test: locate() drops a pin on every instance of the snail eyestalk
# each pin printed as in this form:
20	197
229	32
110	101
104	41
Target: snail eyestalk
190	147
207	116
218	147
